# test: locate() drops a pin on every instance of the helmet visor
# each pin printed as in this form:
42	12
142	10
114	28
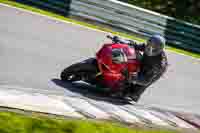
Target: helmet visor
152	49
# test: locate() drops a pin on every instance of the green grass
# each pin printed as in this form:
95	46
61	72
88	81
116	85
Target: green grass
185	52
19	5
18	123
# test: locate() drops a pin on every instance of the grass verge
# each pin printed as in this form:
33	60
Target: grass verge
19	123
19	5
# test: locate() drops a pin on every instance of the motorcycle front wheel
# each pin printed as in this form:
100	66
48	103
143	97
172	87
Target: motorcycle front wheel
85	71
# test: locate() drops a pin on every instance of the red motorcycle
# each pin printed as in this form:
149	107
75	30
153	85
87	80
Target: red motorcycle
103	70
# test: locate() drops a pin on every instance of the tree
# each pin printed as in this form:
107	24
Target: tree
182	9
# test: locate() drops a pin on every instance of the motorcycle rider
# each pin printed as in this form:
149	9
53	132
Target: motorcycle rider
153	65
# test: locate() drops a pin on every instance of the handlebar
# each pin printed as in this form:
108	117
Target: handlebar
109	36
116	39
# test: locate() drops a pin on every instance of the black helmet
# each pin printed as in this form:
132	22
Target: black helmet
118	56
155	45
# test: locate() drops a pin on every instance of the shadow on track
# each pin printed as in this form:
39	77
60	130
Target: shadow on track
89	91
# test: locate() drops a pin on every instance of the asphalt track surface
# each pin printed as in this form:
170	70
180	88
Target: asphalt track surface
35	49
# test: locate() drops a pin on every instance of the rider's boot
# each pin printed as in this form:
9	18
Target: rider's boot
136	93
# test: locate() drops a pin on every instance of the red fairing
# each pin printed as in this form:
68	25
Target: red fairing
111	71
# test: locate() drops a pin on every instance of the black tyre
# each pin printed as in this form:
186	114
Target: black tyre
85	71
69	75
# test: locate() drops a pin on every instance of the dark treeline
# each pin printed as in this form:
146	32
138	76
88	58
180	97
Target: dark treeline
188	10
